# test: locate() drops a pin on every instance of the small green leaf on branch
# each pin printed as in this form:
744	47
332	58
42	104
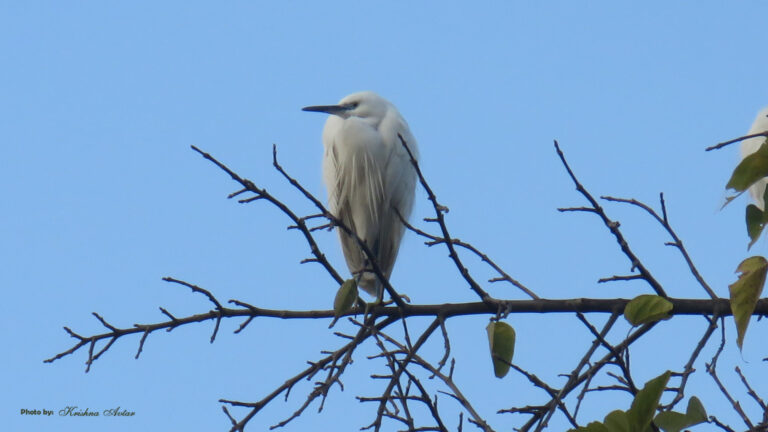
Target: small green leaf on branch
647	308
617	421
646	402
345	298
671	421
756	220
750	170
501	338
745	292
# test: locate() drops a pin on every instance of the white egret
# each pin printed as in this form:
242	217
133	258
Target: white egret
369	178
750	146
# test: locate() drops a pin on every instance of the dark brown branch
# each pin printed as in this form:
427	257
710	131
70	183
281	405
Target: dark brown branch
402	364
577	209
401	381
297	221
664	221
400	396
721	425
435	240
735	140
688	368
440	219
169	315
613	227
537	382
446	345
456	394
208	294
712	370
146	331
431	406
314	367
751	392
720	307
615	278
616	387
574	379
103	321
599	336
542	417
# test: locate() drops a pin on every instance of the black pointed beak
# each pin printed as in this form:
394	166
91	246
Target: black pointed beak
329	109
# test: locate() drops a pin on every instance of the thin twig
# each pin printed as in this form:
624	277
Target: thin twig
664	221
440	219
613	227
735	140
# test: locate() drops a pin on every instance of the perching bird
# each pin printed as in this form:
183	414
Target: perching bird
369	178
750	146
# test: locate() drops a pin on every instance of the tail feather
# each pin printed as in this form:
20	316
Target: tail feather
370	283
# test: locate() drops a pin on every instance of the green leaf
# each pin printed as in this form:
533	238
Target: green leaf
345	297
757	219
646	402
501	338
592	427
755	223
696	411
671	421
745	292
647	308
750	170
617	421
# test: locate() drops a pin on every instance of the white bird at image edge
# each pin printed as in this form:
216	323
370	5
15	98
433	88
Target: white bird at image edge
369	178
750	146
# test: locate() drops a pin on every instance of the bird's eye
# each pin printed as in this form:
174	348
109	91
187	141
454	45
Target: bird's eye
353	105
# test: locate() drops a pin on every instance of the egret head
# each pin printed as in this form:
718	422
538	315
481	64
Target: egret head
365	104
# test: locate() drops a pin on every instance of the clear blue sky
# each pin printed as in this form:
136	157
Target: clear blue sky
102	196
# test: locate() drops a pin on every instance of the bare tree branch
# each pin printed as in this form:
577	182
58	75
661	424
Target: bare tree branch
613	227
676	240
406	394
735	140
